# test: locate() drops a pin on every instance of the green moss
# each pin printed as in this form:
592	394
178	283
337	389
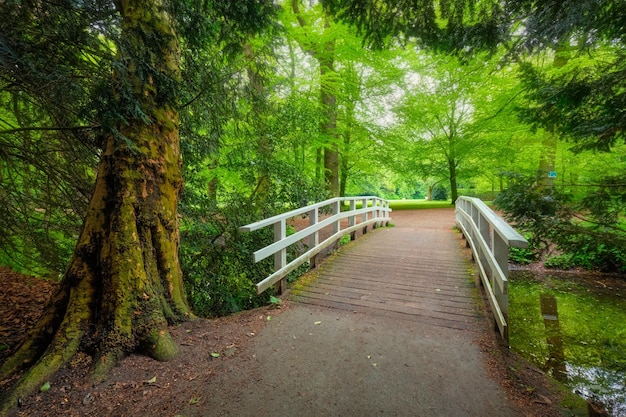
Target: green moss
160	345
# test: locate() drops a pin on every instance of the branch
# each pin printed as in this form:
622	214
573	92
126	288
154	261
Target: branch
29	129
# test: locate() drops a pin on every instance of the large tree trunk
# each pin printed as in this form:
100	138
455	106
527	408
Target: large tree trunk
124	284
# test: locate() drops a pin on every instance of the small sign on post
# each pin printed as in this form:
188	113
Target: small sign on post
552	174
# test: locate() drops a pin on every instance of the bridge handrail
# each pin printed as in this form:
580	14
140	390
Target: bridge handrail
490	237
374	210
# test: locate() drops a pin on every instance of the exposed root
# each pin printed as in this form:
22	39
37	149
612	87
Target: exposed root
53	359
159	345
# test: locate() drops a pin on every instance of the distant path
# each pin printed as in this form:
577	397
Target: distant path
379	351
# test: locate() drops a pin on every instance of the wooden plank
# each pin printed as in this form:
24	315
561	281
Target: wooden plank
405	272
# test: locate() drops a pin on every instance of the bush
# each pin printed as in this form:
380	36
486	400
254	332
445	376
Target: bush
563	261
587	231
216	259
440	193
521	256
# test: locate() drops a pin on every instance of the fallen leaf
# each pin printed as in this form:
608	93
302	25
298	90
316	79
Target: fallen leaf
269	318
318	322
45	387
215	355
151	381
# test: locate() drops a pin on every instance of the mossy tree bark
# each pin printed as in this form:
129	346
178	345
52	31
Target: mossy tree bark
123	284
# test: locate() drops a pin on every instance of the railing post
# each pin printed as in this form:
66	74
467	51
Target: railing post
386	212
280	257
364	216
500	250
351	219
314	239
375	212
336	224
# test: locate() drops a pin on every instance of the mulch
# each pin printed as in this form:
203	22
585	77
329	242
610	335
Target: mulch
21	303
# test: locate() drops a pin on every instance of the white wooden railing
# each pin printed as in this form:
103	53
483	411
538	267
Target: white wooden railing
490	237
373	211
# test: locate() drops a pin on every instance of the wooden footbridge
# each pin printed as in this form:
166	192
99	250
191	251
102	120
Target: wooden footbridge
415	269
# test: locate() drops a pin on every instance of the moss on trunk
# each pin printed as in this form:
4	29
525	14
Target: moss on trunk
124	283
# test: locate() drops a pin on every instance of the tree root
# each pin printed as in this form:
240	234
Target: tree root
52	360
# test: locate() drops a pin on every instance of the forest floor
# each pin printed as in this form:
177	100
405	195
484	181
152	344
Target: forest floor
216	356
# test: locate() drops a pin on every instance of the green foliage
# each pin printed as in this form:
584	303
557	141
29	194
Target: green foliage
581	97
521	256
595	240
446	25
440	193
563	261
216	258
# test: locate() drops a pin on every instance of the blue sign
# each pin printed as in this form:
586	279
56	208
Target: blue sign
552	174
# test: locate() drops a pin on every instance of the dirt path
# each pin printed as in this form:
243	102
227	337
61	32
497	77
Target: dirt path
313	361
306	360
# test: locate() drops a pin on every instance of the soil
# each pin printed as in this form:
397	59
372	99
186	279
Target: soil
212	350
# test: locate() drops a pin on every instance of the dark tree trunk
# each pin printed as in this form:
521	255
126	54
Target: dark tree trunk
263	143
325	55
454	193
123	284
326	59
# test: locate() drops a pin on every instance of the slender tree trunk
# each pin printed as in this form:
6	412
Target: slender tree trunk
454	193
329	126
123	284
345	169
263	144
547	159
352	90
325	55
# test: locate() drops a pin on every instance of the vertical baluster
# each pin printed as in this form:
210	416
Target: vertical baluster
352	219
314	239
280	257
364	216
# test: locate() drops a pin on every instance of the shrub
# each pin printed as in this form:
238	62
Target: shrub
587	231
440	193
521	256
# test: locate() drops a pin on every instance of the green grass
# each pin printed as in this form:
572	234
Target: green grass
418	204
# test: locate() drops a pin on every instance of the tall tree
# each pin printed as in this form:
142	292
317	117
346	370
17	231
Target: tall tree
322	47
123	285
449	114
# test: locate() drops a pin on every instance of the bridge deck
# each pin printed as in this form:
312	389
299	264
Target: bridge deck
415	270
